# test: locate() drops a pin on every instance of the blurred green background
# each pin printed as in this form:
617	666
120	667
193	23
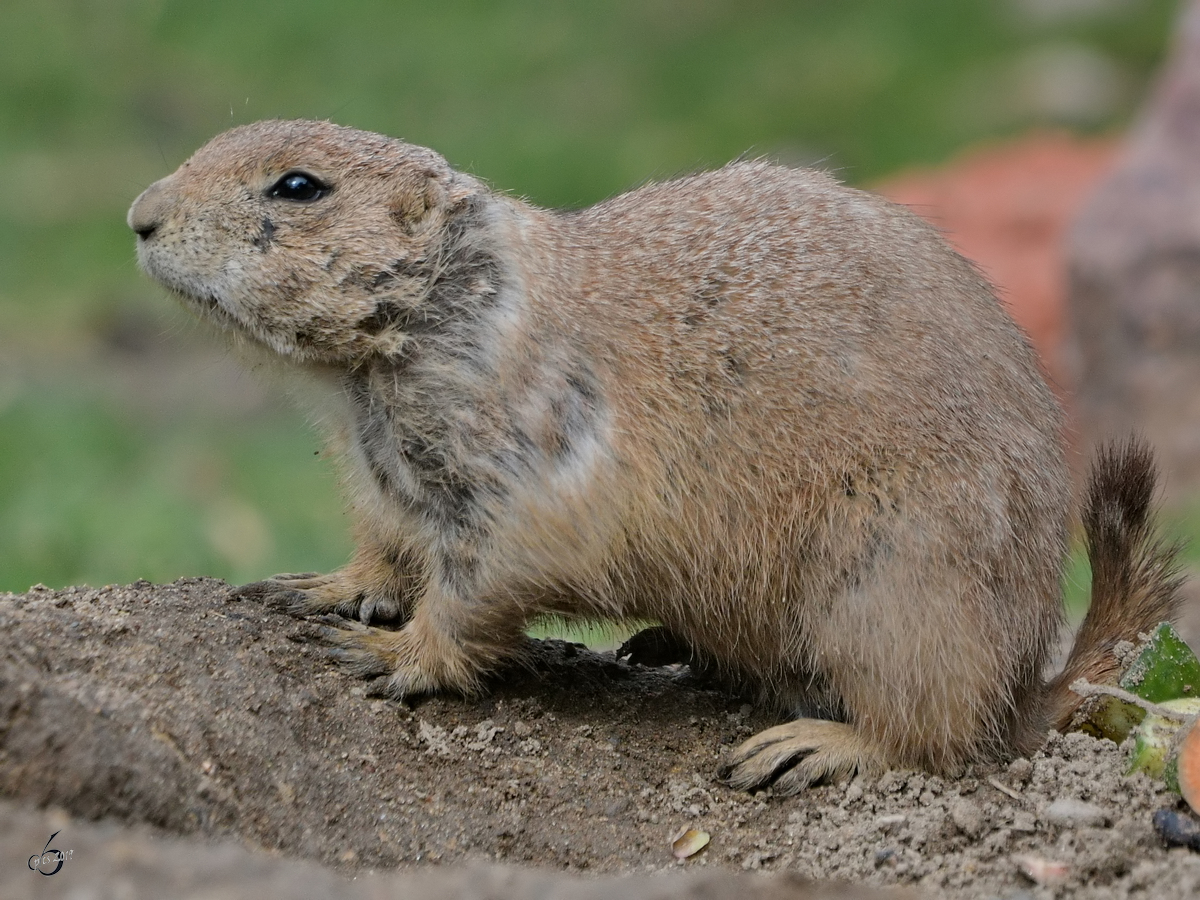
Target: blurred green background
131	446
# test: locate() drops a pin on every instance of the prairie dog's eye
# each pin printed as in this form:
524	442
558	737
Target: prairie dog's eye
298	186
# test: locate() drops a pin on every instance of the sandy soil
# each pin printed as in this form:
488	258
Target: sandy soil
172	707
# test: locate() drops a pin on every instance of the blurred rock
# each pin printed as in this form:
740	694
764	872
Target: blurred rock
1134	299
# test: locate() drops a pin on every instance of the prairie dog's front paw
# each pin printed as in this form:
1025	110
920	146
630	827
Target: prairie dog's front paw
313	594
417	661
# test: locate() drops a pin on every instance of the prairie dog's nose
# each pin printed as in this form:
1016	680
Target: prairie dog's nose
148	210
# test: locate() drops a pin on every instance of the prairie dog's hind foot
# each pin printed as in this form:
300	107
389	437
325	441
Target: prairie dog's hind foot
658	646
801	754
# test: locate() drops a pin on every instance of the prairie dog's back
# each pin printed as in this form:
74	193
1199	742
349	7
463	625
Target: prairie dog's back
763	289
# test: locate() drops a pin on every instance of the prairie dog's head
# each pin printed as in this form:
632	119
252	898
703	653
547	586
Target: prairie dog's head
321	242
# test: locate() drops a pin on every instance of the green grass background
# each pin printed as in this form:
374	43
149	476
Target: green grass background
108	476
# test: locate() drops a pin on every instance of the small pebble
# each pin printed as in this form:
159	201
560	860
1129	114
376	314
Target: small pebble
1024	822
967	817
1020	770
1041	870
1066	811
1177	829
688	842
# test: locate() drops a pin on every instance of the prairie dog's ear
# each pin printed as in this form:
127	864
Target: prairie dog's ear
415	195
425	191
459	190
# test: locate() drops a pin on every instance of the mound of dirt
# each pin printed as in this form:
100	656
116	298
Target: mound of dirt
172	707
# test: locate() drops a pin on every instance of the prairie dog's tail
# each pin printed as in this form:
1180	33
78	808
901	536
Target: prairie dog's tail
1135	576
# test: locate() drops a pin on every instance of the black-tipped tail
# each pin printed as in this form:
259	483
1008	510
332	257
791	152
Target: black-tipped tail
1135	575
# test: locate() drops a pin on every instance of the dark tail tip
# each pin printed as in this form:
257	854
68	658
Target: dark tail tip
1135	575
1120	489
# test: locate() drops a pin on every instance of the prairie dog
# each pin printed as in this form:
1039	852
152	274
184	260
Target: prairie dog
778	415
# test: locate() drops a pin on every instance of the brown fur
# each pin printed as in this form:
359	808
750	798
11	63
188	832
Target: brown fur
778	415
